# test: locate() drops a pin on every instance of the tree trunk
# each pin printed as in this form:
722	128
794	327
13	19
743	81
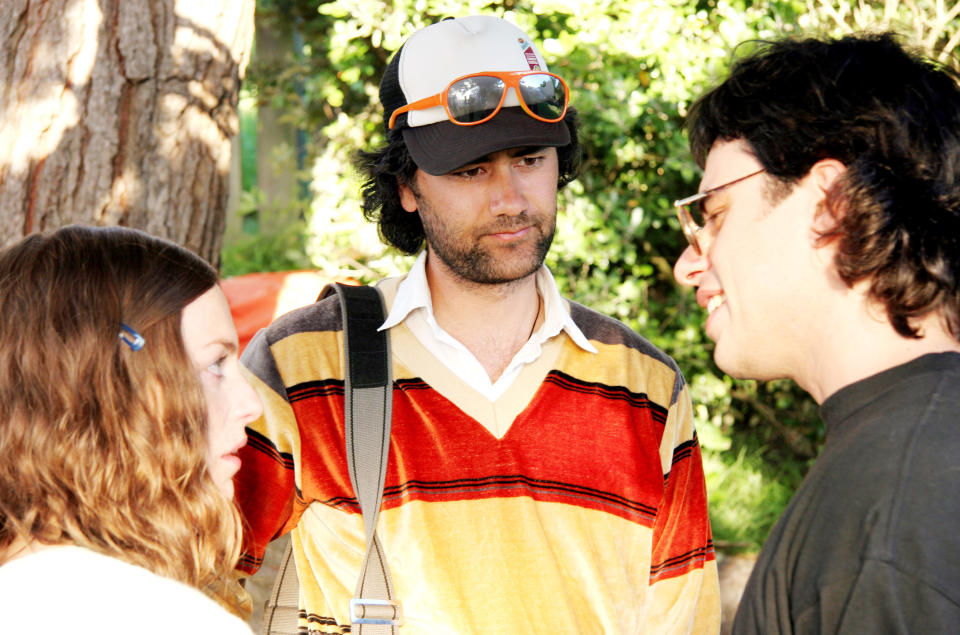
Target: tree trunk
120	112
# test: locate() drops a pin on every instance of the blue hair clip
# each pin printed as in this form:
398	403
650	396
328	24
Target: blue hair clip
136	342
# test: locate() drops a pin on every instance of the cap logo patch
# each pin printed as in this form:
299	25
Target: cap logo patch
529	54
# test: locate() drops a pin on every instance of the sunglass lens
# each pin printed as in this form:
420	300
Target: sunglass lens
474	98
544	95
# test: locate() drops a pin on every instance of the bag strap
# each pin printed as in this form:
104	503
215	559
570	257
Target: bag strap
281	611
368	399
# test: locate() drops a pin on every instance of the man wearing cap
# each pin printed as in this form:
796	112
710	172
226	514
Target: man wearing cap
544	472
828	252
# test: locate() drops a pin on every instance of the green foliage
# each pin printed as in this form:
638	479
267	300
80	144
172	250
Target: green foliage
747	494
634	69
247	110
283	251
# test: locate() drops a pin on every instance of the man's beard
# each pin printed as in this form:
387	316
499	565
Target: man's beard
475	263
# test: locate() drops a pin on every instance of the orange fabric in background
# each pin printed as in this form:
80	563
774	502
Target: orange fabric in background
257	299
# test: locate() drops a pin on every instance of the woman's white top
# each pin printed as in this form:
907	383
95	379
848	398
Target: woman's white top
68	589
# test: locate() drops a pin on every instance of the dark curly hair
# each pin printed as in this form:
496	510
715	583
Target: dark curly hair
385	168
892	118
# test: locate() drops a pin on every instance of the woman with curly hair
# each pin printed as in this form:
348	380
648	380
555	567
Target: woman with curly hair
121	409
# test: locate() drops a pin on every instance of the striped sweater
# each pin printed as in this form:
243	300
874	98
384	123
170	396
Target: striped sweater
588	516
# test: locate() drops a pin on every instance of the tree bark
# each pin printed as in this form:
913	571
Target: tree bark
120	112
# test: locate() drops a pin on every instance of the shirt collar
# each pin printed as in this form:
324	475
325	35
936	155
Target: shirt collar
413	294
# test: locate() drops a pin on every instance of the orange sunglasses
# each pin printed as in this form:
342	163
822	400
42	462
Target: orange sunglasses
476	98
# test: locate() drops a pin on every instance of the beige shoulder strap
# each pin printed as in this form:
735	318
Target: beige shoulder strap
368	397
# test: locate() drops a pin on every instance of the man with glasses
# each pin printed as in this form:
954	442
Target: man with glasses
825	246
544	472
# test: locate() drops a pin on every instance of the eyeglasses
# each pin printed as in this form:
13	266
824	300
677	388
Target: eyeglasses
474	99
691	220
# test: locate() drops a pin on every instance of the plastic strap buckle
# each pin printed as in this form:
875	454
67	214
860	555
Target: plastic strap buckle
363	611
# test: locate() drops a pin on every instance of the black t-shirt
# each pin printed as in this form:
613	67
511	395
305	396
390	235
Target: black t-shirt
870	542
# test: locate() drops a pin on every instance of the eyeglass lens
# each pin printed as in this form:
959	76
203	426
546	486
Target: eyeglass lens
476	98
690	223
695	211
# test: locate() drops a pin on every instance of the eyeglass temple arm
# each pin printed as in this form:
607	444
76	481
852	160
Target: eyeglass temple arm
696	197
420	104
690	199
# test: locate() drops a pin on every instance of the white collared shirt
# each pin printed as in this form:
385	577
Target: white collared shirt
414	306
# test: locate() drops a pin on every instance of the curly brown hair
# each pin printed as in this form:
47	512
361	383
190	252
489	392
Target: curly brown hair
105	446
892	118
